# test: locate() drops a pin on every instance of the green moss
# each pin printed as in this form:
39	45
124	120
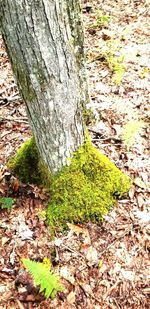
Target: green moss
26	163
83	191
88	116
86	189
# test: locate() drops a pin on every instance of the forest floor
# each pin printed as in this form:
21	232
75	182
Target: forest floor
106	265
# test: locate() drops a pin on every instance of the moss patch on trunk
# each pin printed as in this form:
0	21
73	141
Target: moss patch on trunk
83	191
26	164
86	189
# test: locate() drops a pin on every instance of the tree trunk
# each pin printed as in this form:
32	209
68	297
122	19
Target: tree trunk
44	39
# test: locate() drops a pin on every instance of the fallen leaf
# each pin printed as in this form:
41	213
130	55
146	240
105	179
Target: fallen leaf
140	200
80	230
65	273
127	274
4	240
144	216
58	242
139	182
132	192
3	288
107	34
91	254
12	257
71	297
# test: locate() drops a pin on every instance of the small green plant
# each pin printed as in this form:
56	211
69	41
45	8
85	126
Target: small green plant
144	73
6	202
101	20
44	277
115	62
131	132
108	54
118	69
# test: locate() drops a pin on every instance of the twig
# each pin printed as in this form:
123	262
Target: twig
94	131
9	99
19	304
21	120
106	144
117	139
4	104
71	250
111	289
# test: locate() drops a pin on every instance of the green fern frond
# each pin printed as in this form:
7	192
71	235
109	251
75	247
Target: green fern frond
44	277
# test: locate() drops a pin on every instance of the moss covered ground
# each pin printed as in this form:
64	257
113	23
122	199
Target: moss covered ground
83	191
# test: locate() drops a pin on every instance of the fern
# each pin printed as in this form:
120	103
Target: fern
43	276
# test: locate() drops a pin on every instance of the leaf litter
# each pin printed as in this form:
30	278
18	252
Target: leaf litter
106	265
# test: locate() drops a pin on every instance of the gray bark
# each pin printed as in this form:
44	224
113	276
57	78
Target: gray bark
44	40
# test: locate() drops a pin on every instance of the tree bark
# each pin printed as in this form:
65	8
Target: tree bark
44	39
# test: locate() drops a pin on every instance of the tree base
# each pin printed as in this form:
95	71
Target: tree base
27	165
86	189
83	191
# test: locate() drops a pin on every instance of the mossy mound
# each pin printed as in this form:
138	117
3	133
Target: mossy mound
25	164
83	191
86	189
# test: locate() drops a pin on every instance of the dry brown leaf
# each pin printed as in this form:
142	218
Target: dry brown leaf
80	230
71	297
140	200
132	192
91	254
5	240
139	182
66	274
